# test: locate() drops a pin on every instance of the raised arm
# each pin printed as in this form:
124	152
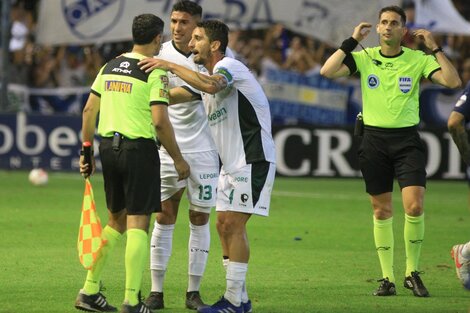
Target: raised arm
448	75
334	66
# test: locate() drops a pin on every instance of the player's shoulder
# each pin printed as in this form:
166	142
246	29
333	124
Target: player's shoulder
231	63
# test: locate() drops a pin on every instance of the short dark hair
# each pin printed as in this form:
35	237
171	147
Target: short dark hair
187	6
145	28
396	9
216	31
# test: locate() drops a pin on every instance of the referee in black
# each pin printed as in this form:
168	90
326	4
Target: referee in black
391	146
133	109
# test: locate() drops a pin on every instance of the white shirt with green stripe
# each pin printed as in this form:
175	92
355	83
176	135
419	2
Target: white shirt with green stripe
390	89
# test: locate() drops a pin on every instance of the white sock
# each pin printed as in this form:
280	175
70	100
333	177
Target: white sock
236	274
466	250
198	250
160	252
244	293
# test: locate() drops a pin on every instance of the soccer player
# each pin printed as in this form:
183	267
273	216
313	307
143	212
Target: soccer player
391	146
456	124
197	145
240	122
133	107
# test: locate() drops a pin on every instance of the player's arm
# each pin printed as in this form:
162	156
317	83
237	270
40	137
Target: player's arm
448	75
183	94
456	126
334	66
205	83
89	116
166	136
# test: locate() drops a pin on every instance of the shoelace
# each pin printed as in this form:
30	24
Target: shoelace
418	280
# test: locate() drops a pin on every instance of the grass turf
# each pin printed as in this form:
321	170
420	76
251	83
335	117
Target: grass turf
315	252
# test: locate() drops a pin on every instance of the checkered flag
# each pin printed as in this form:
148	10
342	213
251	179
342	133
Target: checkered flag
89	235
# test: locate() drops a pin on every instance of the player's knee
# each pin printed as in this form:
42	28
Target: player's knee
198	215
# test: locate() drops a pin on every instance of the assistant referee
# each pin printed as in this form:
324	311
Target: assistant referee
133	108
391	147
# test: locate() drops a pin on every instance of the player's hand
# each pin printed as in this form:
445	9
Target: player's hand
86	170
182	167
426	37
361	31
149	64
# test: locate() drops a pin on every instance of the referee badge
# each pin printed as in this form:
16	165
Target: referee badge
405	84
373	81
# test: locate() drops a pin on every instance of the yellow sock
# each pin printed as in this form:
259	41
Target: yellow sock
383	236
93	278
136	254
413	234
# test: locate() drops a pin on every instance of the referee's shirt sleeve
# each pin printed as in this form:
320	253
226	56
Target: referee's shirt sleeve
97	86
159	87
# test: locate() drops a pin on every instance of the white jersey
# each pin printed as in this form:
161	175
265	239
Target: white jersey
189	119
239	117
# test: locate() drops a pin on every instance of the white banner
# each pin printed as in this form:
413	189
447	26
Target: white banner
98	21
440	16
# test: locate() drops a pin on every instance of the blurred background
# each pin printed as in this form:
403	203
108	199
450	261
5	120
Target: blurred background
51	50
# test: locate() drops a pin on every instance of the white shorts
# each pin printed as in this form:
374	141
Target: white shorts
201	185
248	190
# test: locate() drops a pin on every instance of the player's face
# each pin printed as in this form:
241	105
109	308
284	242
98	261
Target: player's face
200	46
390	28
181	26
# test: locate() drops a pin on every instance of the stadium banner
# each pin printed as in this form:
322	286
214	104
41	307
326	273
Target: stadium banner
439	16
53	142
302	99
99	21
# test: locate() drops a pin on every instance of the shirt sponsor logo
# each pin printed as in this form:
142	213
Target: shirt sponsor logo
217	115
405	84
117	86
123	68
373	81
244	197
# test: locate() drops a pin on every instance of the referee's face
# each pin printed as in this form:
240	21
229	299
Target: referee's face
390	28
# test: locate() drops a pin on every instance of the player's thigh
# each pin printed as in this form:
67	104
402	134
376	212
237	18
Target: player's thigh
202	182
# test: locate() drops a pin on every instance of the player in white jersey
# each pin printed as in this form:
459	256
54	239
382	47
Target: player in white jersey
196	144
240	121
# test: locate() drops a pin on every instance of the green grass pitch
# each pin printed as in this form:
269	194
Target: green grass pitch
315	252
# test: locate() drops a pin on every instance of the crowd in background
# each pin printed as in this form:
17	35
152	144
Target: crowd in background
40	66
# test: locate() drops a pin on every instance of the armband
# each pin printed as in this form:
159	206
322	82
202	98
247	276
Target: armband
349	45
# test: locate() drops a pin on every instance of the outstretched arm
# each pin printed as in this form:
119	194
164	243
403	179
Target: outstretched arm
205	83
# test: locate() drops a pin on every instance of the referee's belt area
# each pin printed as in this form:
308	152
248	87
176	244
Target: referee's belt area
390	130
118	139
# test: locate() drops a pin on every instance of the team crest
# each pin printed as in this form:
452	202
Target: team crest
373	81
405	84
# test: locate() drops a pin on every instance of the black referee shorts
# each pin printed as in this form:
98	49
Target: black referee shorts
388	153
131	176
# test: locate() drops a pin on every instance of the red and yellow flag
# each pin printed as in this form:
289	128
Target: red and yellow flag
89	235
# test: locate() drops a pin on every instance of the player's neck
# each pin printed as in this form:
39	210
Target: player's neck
215	57
183	48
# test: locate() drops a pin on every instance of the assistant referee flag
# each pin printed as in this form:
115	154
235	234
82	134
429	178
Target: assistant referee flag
89	235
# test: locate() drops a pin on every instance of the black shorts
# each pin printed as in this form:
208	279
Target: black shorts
385	154
131	176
